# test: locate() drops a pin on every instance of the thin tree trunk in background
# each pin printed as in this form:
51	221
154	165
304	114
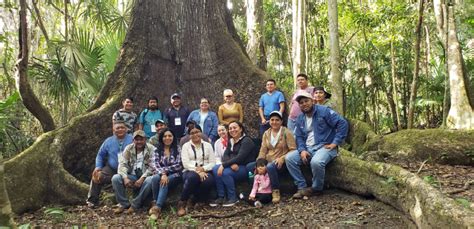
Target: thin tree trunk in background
39	19
335	58
414	84
461	114
28	97
397	121
298	52
441	16
255	25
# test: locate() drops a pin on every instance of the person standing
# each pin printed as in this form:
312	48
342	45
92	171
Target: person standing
321	97
295	111
106	161
230	110
272	100
177	115
319	132
206	119
149	116
126	114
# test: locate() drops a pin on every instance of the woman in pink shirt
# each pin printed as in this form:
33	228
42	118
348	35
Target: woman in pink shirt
262	188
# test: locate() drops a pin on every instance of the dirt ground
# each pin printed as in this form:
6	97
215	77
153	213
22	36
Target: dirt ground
334	209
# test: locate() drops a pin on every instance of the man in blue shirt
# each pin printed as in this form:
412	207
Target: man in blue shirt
106	162
149	116
319	131
272	100
177	116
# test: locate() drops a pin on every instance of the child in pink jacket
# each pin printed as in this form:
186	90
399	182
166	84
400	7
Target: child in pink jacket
262	189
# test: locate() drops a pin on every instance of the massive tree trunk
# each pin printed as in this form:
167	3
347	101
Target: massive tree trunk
190	47
255	25
336	75
461	113
28	97
5	206
416	71
298	42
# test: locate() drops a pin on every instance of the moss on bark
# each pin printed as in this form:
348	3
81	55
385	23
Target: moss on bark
395	186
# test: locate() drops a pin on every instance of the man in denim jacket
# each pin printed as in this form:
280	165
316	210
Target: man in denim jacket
319	131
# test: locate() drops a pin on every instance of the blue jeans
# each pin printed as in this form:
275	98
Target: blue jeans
121	195
320	157
227	181
291	125
272	171
160	192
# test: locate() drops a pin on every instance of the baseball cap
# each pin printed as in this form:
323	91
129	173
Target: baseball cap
140	133
175	95
276	113
303	94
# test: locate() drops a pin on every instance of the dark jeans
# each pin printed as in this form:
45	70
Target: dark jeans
264	198
264	127
272	171
192	185
94	189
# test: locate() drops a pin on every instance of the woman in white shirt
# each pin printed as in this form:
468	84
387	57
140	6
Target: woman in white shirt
198	160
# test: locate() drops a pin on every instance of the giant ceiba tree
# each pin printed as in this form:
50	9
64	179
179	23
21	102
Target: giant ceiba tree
190	47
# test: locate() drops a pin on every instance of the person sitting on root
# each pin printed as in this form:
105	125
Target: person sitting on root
106	161
277	142
133	172
167	169
221	144
198	159
319	132
262	188
159	126
240	151
190	125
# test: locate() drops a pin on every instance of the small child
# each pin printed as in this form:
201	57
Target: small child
262	189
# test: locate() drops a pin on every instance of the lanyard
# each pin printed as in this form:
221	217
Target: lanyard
195	157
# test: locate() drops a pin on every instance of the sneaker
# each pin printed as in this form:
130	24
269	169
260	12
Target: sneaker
276	196
90	204
258	204
302	193
217	202
230	203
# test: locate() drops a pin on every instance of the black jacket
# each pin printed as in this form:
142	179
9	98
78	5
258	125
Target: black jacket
243	152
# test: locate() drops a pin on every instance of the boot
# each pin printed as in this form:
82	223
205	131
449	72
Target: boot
155	212
181	208
276	196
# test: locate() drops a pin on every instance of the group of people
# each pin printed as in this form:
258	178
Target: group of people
155	151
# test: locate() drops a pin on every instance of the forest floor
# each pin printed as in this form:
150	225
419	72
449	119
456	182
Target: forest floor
333	209
455	181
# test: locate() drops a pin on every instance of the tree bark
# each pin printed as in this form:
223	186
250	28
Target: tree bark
255	25
298	52
28	97
336	75
189	47
394	86
461	114
414	84
5	206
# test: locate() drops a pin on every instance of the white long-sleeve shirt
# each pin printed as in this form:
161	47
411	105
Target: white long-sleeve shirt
191	160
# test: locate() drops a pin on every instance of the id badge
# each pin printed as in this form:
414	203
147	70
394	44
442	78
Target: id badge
177	121
153	128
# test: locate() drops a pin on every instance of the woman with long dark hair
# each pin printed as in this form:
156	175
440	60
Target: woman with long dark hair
167	169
